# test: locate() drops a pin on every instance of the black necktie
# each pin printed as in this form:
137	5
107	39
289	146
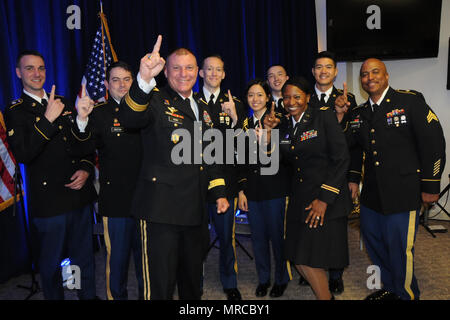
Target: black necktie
44	102
322	98
295	129
280	104
211	100
375	107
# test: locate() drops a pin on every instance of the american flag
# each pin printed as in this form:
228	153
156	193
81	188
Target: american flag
7	169
102	55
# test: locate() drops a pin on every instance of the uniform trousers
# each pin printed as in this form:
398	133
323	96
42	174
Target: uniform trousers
69	233
224	227
121	239
335	274
266	219
172	255
389	240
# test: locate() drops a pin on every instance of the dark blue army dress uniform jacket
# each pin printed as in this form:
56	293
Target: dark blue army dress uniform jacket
120	153
258	187
335	93
404	149
168	192
317	150
223	122
52	153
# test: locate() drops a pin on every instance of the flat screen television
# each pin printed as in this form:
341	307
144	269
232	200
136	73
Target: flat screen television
386	29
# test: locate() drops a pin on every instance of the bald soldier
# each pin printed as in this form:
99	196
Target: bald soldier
170	198
404	146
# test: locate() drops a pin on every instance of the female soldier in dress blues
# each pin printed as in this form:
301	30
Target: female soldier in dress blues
264	197
316	221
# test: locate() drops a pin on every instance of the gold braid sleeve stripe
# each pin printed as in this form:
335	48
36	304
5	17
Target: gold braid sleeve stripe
329	188
216	183
46	138
135	106
84	160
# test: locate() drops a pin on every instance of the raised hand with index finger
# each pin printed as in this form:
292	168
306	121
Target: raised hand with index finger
84	105
54	107
342	104
152	63
229	107
271	120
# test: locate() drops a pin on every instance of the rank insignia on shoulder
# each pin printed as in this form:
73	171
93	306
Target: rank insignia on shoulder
15	103
431	116
207	119
324	108
11	133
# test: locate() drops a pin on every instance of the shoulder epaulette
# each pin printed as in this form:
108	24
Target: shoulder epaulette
324	108
100	104
348	93
15	103
234	98
362	105
406	91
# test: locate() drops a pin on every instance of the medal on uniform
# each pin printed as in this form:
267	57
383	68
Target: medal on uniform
397	121
355	123
403	119
308	135
207	119
173	116
175	138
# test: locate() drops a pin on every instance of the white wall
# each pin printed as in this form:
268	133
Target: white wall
428	76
